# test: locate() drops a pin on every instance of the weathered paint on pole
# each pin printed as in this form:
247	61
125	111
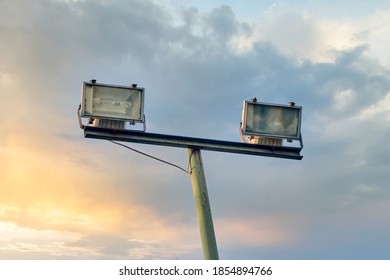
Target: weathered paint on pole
203	211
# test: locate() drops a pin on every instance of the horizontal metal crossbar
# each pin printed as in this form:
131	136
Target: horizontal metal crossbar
193	143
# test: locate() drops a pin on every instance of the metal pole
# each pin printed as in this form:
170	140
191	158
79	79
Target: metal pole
203	211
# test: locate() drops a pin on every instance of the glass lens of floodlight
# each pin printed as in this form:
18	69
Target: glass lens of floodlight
113	102
272	120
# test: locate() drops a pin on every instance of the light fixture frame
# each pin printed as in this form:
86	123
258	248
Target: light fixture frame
86	114
246	131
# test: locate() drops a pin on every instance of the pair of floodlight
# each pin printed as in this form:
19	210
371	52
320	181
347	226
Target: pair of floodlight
112	106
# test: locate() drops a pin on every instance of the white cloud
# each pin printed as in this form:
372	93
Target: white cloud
374	31
16	242
343	99
300	33
381	109
308	35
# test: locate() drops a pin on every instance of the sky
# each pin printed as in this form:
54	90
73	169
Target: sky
66	197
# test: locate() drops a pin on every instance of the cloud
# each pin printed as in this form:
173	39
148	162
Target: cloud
313	32
97	200
381	108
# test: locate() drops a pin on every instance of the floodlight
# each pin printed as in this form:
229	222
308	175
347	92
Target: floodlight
111	106
271	122
112	102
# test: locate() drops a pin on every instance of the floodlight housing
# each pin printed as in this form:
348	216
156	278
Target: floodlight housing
271	120
113	102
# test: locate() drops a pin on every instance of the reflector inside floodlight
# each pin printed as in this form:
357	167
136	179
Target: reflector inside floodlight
112	102
270	120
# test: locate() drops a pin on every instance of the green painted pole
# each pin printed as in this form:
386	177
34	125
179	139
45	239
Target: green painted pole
203	211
